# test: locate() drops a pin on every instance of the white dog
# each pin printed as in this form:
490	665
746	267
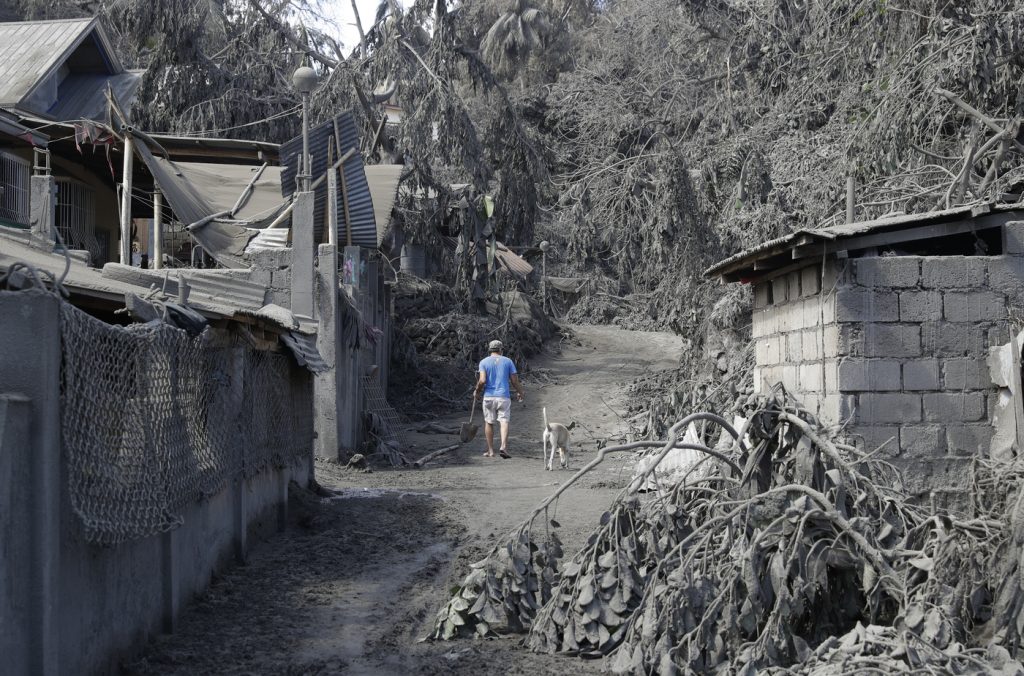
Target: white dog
557	435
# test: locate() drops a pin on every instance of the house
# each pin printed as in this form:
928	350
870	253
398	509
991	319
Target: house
885	326
161	410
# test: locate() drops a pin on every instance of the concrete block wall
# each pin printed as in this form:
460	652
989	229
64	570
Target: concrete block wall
915	333
797	339
70	607
894	348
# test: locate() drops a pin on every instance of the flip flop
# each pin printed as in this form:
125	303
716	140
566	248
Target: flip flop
504	454
488	455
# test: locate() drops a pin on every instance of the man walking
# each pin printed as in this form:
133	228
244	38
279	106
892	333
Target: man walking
496	374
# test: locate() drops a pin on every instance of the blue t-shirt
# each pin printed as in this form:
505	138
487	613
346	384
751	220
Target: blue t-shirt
498	370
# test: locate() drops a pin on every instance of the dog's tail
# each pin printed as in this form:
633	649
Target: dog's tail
546	426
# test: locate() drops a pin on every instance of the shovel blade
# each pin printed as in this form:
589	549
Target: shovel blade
467	432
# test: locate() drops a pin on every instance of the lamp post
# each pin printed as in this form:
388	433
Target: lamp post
544	246
305	80
303	245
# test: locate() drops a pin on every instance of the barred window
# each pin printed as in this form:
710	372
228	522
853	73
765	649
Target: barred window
76	215
14	188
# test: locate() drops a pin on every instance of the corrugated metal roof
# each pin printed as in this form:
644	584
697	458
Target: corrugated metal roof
93	282
83	97
364	224
383	180
845	230
30	50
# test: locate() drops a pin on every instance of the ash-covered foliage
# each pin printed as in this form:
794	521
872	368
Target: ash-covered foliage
788	552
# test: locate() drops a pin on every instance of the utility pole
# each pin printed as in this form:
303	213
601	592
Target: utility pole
126	197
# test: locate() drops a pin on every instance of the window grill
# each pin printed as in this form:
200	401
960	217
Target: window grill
76	216
14	188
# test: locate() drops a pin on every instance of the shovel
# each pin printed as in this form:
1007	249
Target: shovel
468	430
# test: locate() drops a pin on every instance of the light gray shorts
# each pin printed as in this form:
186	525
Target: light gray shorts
497	408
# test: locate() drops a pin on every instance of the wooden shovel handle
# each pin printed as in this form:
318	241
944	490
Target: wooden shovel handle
472	409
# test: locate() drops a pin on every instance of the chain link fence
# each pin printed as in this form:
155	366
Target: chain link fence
154	419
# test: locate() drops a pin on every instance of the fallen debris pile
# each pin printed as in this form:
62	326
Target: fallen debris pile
791	551
438	346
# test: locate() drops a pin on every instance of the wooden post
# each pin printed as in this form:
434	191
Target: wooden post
126	200
158	229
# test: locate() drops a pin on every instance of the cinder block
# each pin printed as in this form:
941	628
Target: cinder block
888	271
921	478
921	374
783	314
830	341
965	374
946	339
859	305
998	334
837	273
762	295
810	401
969	439
837	408
922	441
1006	275
779	287
920	306
954	406
810	280
869	438
891	340
1013	238
793	285
973	306
811	377
773	351
874	408
757	375
953	272
791	377
831	370
857	374
761	352
794	346
811	343
826	313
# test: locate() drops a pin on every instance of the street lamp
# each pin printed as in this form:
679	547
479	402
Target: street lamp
544	246
305	80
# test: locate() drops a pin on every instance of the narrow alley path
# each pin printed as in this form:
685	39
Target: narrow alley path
357	578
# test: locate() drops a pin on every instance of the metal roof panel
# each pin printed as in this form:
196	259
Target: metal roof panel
360	207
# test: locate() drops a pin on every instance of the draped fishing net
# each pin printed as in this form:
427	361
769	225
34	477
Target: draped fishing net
154	419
